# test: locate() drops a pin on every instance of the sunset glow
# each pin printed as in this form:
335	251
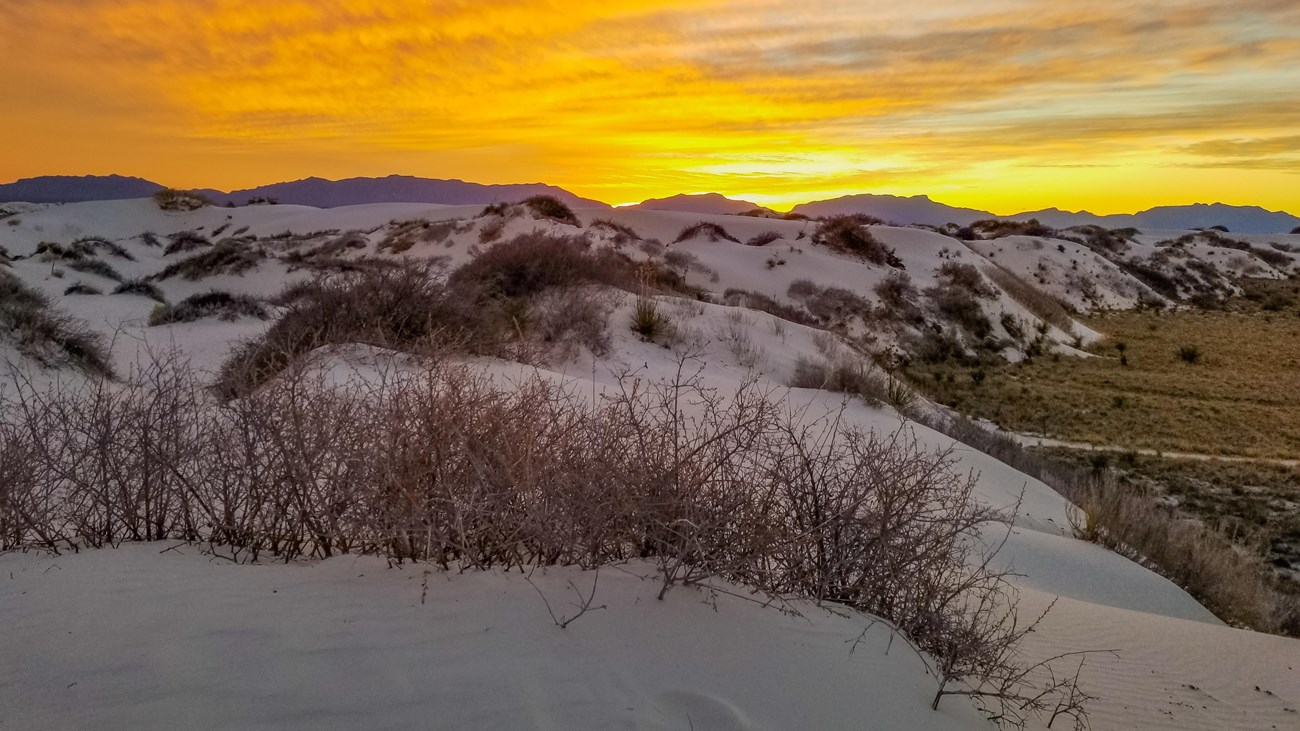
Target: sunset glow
1007	105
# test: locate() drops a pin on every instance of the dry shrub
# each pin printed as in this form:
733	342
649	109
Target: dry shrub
1229	582
46	335
180	200
572	317
82	288
507	302
713	231
899	298
763	303
407	234
849	234
1039	303
996	229
185	241
231	256
103	244
550	207
620	234
96	267
400	307
438	464
533	262
850	376
142	288
223	305
763	239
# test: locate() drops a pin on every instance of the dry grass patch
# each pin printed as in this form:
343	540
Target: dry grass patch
1239	398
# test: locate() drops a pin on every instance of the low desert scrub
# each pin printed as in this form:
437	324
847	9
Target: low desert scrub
232	256
713	231
765	238
684	262
763	303
82	288
1230	582
1039	303
620	235
96	267
849	234
103	244
507	302
222	305
185	241
899	298
855	378
48	336
141	287
441	465
550	207
405	235
957	297
996	229
180	200
401	308
735	333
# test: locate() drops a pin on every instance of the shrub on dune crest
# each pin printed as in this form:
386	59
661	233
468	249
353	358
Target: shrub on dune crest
548	206
849	234
180	200
713	231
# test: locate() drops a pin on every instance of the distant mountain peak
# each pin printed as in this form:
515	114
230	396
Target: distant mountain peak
701	203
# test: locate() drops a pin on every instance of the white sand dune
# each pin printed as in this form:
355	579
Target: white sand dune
143	637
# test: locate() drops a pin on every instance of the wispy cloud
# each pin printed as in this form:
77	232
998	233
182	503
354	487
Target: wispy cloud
622	99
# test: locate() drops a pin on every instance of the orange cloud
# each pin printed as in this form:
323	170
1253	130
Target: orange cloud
994	104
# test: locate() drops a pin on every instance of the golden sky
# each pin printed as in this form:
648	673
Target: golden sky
1008	105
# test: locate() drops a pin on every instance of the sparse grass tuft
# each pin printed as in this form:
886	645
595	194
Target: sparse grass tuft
96	267
142	288
186	241
648	321
229	257
1189	354
82	288
97	242
47	335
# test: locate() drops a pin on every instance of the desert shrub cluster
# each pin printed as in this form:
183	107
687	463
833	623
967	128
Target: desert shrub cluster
849	234
956	296
550	207
185	241
222	305
48	336
437	464
714	232
503	302
180	200
232	256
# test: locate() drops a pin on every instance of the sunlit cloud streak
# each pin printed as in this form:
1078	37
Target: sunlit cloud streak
1006	103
